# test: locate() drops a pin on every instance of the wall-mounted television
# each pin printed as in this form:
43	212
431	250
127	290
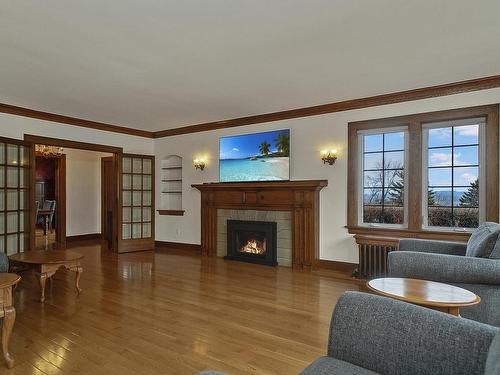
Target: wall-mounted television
255	157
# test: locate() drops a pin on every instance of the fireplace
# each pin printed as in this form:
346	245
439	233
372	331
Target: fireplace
300	198
252	241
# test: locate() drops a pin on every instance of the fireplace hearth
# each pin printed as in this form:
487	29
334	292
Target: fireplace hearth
252	241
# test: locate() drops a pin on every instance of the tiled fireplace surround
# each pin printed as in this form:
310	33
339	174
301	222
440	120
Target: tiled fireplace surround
283	220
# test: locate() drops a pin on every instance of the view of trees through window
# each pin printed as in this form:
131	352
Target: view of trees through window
424	173
453	176
383	178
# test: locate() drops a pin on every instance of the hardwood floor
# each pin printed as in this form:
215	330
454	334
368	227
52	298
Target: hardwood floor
41	242
170	312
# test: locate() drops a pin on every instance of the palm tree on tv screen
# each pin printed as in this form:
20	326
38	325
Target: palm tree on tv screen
264	148
283	144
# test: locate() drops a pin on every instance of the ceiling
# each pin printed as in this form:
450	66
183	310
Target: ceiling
156	65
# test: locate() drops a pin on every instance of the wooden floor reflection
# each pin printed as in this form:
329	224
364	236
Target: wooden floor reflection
43	242
171	312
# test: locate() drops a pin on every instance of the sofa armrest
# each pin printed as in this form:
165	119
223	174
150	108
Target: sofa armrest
429	246
444	268
393	337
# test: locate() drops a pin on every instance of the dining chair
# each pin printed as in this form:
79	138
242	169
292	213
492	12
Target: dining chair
50	205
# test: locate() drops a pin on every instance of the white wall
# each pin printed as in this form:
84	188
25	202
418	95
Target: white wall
83	191
308	136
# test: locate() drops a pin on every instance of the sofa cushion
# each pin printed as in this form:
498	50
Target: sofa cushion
495	253
493	361
332	366
483	240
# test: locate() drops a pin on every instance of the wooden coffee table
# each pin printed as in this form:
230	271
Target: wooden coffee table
437	296
7	313
46	263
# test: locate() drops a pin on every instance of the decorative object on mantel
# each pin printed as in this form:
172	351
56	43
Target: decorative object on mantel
48	151
299	197
329	156
199	163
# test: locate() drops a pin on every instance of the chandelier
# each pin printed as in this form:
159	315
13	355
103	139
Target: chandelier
48	151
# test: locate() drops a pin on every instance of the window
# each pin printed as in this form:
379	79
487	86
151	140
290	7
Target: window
452	178
382	177
430	175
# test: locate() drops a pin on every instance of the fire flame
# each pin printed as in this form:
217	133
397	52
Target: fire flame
252	248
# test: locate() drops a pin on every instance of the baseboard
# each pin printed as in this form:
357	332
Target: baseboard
178	245
84	237
333	265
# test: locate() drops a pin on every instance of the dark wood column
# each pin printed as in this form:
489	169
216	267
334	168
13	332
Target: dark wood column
299	197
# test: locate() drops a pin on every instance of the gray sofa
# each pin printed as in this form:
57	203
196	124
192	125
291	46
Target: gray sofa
376	335
447	262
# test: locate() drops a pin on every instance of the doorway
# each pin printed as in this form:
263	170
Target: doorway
82	195
50	200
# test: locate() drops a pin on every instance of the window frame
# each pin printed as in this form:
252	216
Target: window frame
481	168
360	134
414	168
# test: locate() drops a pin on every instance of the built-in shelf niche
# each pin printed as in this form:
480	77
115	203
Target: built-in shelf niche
171	186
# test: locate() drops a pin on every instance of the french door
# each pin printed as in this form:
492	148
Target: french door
137	203
16	214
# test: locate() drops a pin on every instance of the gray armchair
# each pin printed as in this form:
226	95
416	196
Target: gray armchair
446	262
376	335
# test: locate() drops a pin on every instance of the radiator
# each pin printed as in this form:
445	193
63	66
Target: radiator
373	253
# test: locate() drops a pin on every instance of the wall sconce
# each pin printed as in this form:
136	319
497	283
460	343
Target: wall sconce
329	156
199	163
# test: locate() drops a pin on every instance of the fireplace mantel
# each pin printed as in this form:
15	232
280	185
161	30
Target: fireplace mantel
299	197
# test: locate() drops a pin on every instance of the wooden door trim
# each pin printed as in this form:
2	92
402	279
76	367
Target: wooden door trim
61	201
113	245
117	152
37	139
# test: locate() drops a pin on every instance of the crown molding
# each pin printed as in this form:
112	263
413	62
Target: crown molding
46	116
347	105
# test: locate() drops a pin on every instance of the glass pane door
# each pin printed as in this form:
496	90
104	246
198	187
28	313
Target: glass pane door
137	198
15	172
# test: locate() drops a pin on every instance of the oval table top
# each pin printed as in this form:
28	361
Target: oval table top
423	292
46	256
8	279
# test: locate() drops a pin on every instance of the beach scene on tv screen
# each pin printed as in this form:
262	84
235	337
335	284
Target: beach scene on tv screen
255	157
